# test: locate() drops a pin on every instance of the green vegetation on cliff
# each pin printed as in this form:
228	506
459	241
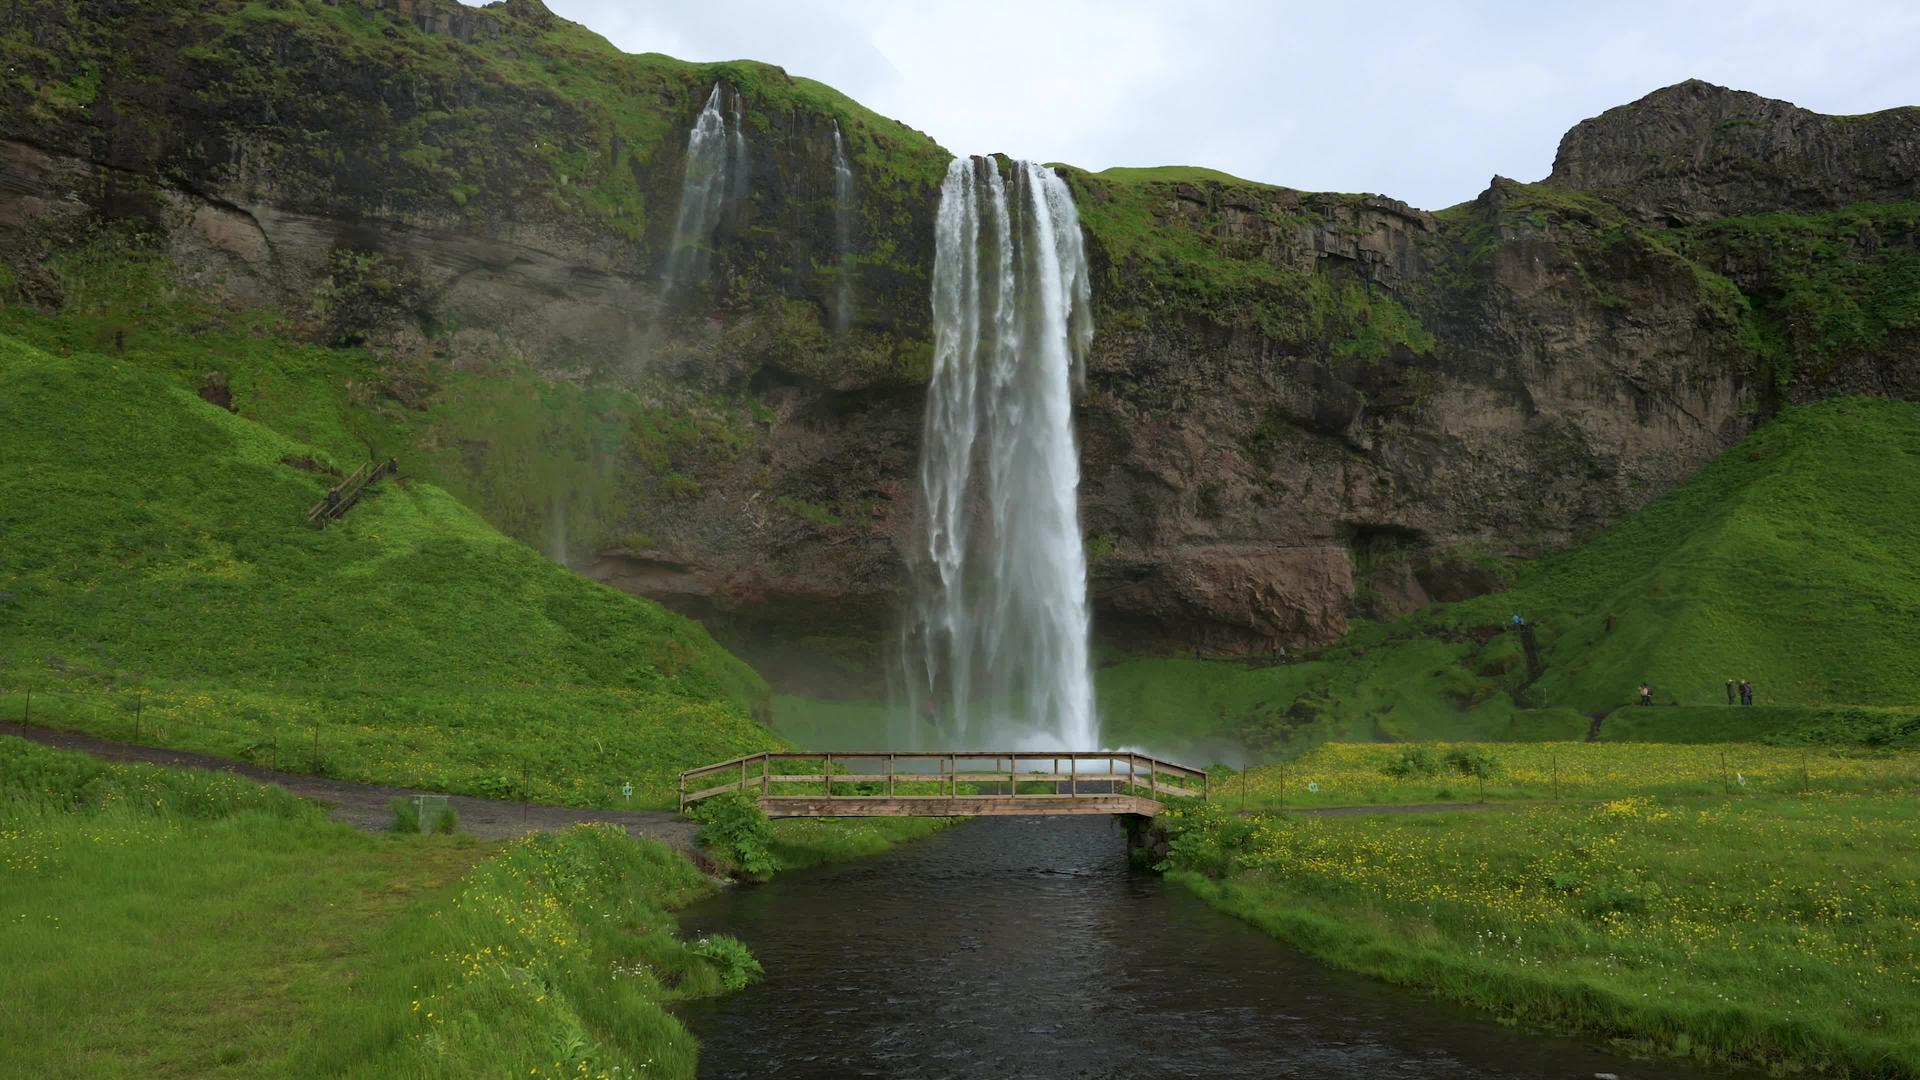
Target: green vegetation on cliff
156	542
1825	288
505	110
1195	241
1790	562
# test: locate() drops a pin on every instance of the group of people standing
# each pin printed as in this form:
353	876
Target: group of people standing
1743	690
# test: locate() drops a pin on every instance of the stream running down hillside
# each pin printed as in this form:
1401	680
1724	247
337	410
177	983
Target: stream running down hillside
1027	947
995	652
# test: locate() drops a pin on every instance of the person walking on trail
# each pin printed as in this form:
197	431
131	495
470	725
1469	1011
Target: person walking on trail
1729	691
1746	692
1646	694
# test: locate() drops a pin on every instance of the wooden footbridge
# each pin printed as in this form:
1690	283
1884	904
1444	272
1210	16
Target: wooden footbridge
947	784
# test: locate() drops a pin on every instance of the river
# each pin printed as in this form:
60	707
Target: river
1027	947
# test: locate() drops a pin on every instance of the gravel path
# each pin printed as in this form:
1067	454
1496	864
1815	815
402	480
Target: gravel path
1393	808
365	806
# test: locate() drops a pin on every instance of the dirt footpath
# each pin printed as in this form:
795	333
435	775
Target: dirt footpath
365	806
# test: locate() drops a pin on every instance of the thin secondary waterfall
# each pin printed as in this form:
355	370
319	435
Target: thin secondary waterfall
995	649
842	230
740	171
716	173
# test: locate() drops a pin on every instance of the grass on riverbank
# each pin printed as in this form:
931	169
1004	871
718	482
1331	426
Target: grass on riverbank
799	843
155	541
176	923
1782	931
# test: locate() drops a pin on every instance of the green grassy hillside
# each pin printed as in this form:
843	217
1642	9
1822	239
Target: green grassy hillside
157	541
1793	562
292	946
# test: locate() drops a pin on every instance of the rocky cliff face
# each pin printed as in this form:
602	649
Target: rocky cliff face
1694	152
1299	407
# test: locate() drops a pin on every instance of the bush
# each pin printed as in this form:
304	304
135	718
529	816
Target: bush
1414	761
736	965
733	827
1472	761
1203	837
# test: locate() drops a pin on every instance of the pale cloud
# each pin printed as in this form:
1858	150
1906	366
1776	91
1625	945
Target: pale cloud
1422	101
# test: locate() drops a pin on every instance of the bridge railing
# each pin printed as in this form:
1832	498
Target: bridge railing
924	774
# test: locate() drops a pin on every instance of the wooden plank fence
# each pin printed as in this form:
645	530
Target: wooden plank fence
341	497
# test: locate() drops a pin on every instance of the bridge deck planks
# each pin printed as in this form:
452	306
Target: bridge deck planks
785	806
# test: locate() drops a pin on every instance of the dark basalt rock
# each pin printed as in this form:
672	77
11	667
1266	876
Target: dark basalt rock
1695	151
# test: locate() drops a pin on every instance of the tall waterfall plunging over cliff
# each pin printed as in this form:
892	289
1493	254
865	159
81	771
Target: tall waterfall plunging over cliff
842	230
716	174
995	649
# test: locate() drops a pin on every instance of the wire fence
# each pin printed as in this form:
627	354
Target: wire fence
1337	774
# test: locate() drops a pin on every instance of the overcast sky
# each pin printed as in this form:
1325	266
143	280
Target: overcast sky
1421	101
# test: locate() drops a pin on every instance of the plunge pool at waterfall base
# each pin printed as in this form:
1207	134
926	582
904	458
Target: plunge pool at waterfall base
1029	947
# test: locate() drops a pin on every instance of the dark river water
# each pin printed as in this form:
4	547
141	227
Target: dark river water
1026	947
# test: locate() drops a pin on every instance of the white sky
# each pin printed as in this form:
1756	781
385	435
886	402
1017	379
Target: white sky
1420	101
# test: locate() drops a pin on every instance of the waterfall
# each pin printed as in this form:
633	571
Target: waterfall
842	230
737	155
994	654
716	174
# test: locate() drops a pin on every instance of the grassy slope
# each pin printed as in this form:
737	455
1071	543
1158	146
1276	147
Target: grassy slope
157	540
541	460
168	923
1792	561
1637	918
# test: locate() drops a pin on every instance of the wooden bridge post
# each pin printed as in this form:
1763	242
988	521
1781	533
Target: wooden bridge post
743	776
1152	791
766	774
890	776
826	773
683	793
1073	776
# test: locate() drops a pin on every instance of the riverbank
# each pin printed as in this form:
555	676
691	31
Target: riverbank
229	929
1780	931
